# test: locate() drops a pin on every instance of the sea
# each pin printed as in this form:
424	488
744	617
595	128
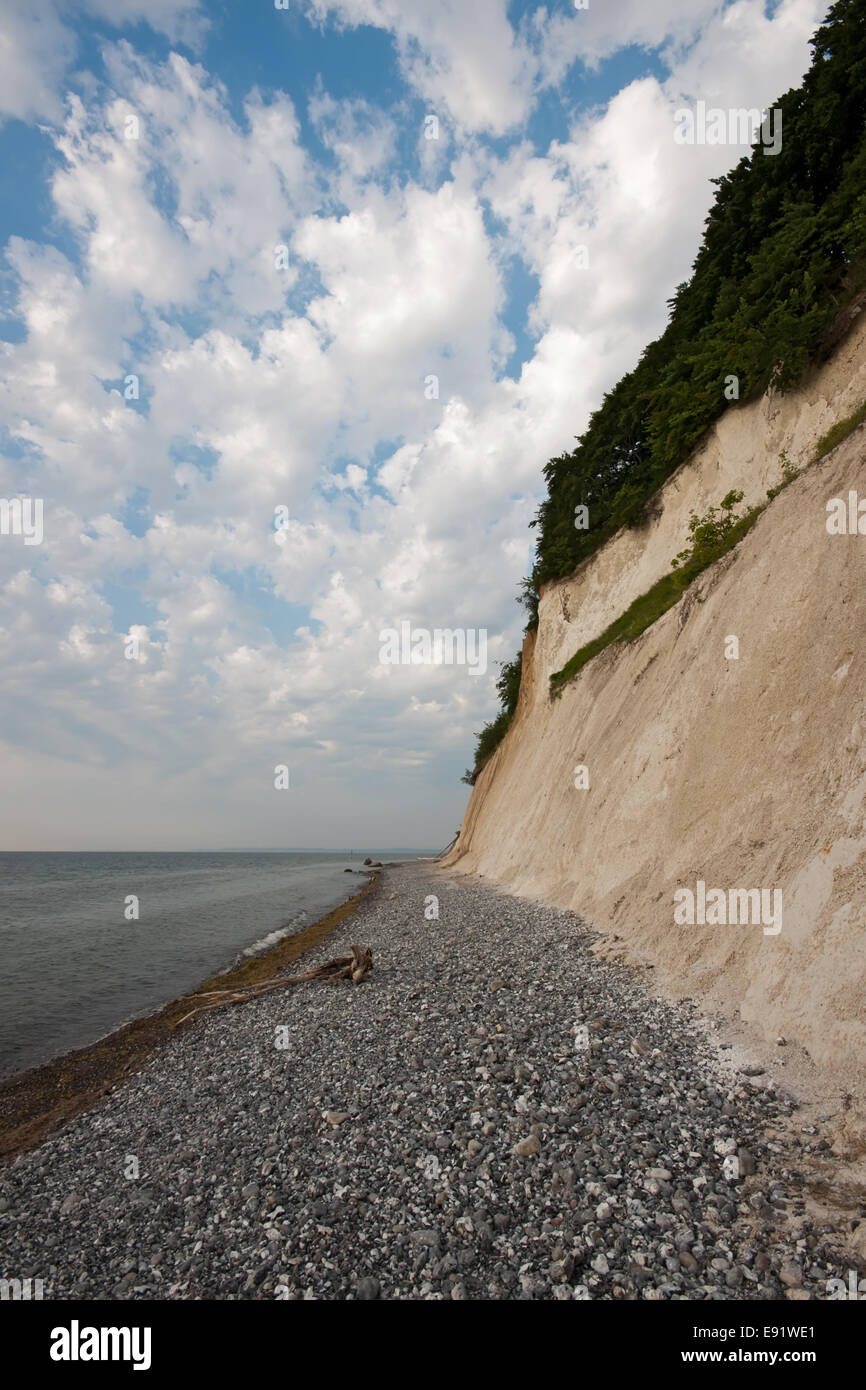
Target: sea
76	962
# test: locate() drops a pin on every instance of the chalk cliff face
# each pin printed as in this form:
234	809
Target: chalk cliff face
745	773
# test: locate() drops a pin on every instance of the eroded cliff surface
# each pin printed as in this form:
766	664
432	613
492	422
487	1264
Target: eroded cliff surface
745	773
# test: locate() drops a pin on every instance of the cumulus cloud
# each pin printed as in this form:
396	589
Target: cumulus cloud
38	44
466	60
361	137
36	48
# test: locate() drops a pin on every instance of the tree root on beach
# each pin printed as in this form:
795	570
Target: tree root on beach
355	967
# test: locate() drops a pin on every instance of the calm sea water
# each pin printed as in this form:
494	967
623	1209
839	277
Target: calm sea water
73	968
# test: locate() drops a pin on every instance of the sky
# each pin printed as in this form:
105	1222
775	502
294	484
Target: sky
296	301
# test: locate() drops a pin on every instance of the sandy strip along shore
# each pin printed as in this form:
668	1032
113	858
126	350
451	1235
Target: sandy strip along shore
496	1114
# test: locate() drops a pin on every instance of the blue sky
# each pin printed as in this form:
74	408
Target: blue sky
239	208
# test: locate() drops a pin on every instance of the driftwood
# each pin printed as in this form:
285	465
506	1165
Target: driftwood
355	967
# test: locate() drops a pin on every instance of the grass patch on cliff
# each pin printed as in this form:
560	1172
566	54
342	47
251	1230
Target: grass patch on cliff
711	537
840	431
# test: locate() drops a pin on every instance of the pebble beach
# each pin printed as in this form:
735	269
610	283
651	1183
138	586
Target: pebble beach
495	1113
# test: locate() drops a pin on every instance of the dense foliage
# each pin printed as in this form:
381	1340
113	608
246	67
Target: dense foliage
784	246
784	240
508	689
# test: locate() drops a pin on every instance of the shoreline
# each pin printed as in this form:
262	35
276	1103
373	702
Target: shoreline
496	1113
35	1102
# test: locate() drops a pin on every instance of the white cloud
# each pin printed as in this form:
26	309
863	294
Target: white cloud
360	136
182	21
463	59
38	46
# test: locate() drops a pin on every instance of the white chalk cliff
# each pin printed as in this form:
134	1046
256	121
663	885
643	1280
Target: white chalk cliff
747	773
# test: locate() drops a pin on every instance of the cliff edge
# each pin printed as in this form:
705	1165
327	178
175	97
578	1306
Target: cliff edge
741	774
